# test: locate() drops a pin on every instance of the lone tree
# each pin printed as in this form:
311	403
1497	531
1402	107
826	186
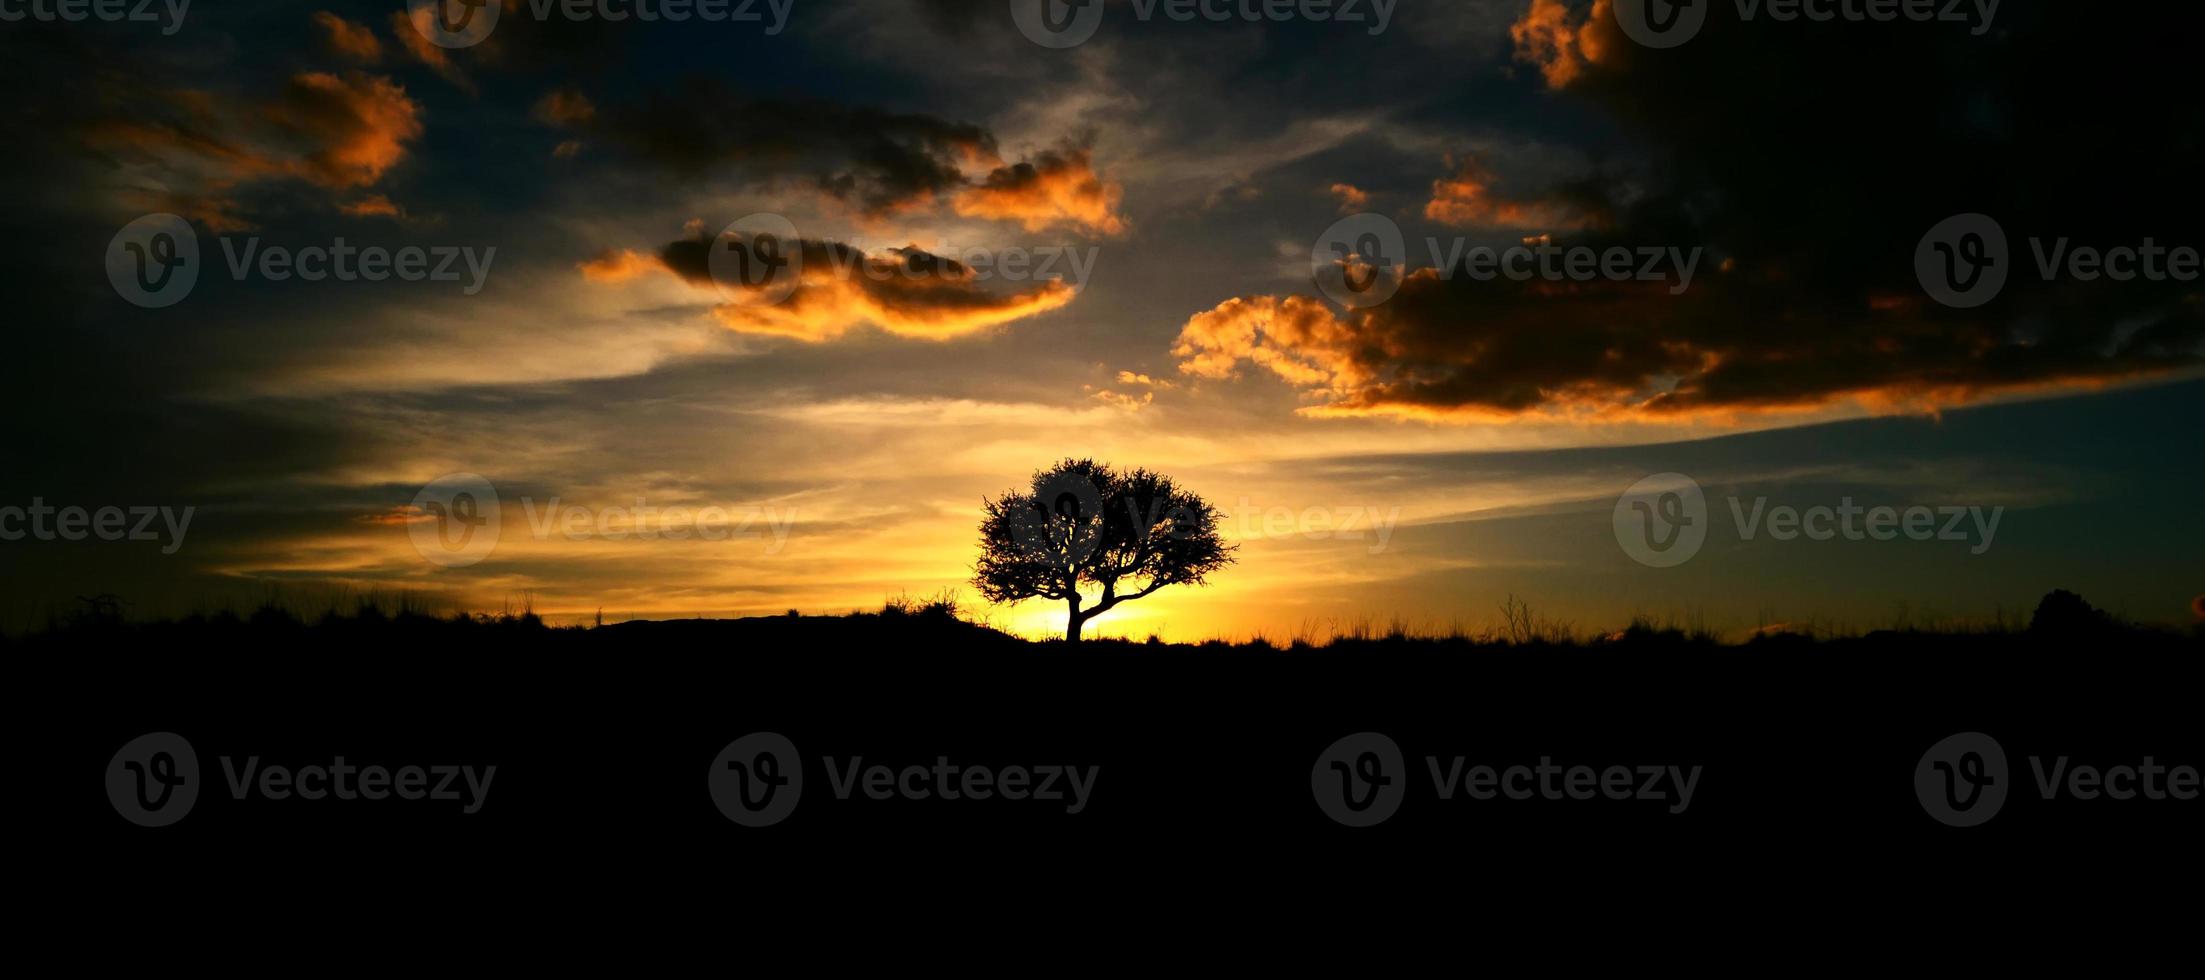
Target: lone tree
1082	524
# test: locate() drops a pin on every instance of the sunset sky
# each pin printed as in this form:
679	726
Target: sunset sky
1421	459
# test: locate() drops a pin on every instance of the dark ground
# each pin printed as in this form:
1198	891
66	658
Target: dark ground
603	739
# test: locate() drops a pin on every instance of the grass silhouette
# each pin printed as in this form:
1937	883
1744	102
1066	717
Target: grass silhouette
941	622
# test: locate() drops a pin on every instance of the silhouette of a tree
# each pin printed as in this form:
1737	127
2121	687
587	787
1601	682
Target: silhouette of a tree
1081	524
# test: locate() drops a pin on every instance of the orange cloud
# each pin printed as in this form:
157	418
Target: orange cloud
617	265
411	28
372	206
1561	46
1352	198
357	126
566	107
906	291
1467	199
347	39
1121	400
337	132
827	305
1296	338
1056	188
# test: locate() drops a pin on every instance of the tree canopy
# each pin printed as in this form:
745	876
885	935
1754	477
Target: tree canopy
1082	525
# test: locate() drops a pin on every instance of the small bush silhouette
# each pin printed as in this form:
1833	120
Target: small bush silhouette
941	605
2063	613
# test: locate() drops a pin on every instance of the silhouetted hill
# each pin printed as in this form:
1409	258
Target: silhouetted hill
1204	753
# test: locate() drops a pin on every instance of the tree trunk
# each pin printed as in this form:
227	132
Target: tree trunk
1072	621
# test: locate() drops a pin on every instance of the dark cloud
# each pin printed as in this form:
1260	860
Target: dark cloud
906	291
1461	348
875	160
1808	160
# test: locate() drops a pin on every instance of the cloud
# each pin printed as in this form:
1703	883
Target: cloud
618	265
904	291
411	28
372	206
1461	350
1058	187
348	40
876	161
1142	395
1296	338
1565	47
870	161
1467	199
353	128
1352	198
337	132
1122	400
566	107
